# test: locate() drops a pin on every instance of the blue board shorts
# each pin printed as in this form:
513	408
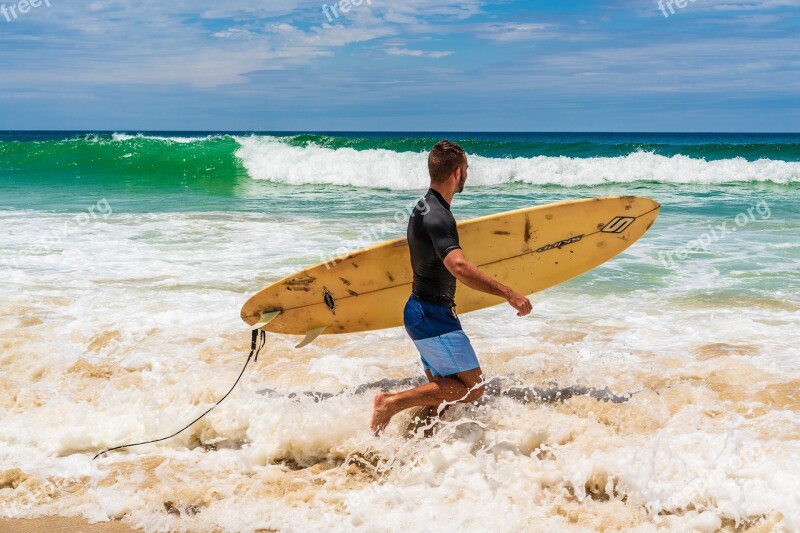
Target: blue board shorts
436	331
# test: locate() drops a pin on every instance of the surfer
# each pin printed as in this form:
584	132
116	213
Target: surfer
450	363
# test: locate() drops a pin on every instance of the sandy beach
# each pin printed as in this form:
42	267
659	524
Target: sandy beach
60	524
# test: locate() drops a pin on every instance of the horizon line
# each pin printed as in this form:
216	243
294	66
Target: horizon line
195	131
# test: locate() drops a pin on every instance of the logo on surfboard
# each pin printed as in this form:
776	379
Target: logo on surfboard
329	301
618	225
560	244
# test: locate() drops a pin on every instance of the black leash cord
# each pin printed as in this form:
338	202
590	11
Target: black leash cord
255	349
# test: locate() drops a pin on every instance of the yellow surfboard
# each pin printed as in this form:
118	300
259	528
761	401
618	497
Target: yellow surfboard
528	249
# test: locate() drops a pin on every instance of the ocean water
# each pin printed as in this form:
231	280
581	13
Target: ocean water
126	258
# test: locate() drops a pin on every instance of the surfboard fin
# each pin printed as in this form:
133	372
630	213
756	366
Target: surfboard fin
311	336
265	319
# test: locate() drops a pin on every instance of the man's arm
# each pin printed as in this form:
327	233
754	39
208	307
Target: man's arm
469	275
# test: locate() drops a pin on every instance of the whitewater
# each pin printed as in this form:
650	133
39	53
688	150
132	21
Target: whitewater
271	159
644	396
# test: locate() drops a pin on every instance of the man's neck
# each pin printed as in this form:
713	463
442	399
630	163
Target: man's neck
446	192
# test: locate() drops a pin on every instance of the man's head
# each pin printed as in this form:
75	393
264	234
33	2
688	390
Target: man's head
447	165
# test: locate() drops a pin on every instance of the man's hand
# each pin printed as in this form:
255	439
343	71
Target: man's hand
520	303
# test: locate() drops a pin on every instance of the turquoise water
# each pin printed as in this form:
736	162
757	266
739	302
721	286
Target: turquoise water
701	180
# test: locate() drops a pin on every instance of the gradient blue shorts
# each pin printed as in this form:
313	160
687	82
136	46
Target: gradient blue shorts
436	331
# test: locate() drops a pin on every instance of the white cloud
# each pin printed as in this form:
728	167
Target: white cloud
395	51
412	11
651	8
749	5
207	43
743	66
514	31
236	34
203	43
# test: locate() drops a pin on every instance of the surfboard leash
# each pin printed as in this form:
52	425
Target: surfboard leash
257	342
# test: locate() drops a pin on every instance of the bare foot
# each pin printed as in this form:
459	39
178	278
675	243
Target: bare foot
381	413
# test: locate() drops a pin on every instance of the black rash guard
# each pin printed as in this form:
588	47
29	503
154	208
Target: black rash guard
432	234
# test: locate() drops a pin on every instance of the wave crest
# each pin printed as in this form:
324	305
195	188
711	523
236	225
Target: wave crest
273	159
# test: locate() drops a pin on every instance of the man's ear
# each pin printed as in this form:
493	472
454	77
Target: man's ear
457	174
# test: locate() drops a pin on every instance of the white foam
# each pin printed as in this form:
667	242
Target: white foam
272	159
122	137
177	344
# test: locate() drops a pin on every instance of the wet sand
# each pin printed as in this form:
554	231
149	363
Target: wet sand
60	524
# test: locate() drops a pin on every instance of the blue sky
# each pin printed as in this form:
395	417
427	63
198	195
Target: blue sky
413	65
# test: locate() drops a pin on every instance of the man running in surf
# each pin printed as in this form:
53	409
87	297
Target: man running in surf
450	363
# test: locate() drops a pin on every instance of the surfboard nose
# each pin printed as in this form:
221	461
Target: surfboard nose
646	205
649	211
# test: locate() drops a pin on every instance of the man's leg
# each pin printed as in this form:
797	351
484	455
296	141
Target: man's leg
423	418
462	387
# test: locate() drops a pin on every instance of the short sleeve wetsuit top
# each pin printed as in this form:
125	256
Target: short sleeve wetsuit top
432	235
